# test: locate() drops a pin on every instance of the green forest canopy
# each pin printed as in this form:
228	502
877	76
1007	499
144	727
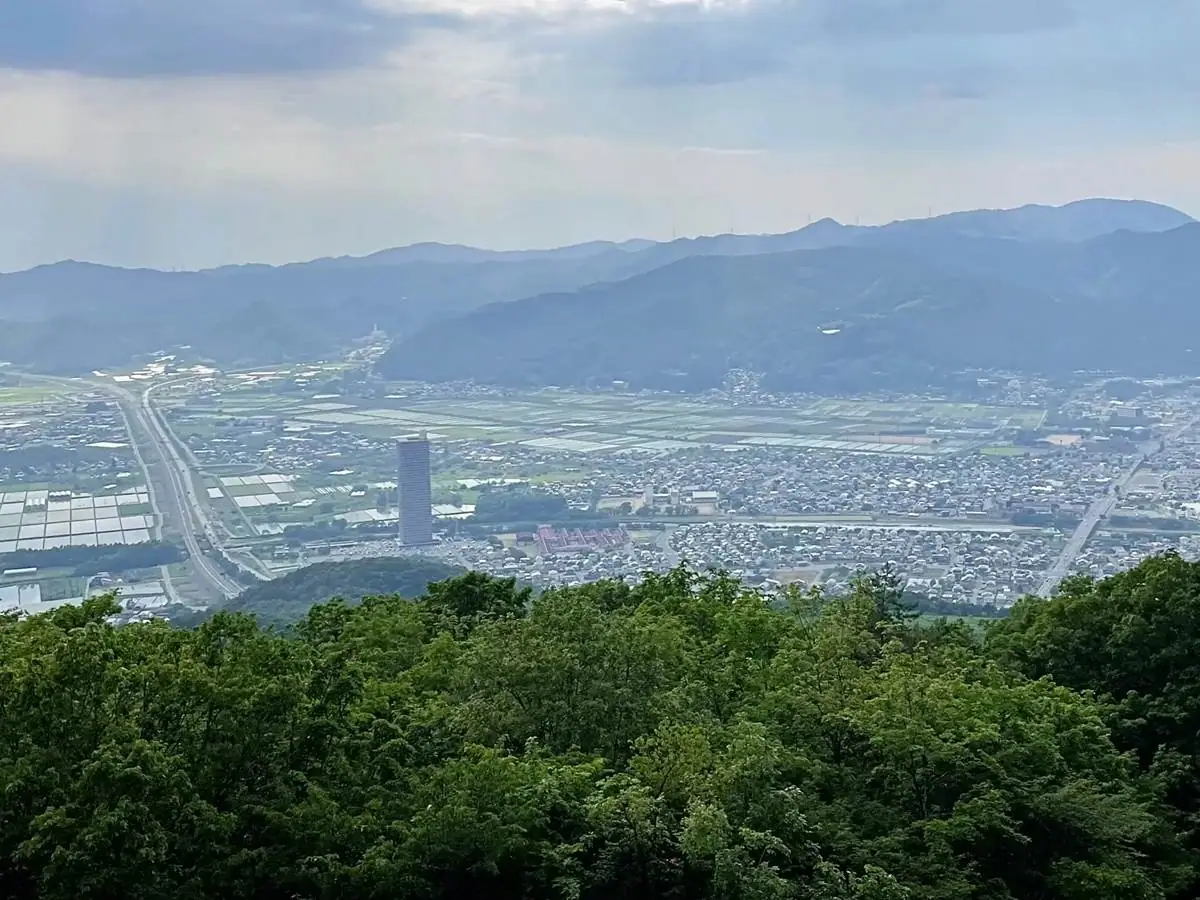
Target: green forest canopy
679	739
86	561
284	600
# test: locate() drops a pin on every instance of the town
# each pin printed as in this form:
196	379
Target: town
254	474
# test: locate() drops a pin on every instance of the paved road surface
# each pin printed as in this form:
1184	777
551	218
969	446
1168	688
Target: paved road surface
1097	511
186	502
183	463
155	509
1100	509
179	498
663	541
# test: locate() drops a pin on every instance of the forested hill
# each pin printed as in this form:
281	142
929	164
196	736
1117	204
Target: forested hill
287	599
679	739
73	317
901	308
807	318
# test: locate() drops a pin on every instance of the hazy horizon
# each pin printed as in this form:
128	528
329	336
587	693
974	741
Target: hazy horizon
359	254
154	134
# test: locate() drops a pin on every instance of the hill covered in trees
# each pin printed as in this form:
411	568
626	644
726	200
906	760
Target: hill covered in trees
808	317
684	738
73	317
287	599
901	307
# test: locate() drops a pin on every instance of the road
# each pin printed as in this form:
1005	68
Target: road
155	509
180	498
663	541
184	464
1099	510
187	504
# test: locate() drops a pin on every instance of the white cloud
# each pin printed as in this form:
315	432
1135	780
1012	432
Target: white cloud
543	123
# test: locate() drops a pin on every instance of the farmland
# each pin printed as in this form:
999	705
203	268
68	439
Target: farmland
565	421
31	395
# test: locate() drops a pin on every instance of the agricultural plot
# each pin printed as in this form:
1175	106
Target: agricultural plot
932	412
377	417
585	423
255	491
566	445
35	394
42	519
563	421
813	443
264	504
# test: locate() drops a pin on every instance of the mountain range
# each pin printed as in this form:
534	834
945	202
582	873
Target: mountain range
1096	283
832	307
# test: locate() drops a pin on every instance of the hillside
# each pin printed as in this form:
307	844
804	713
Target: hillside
457	253
75	317
904	311
1073	222
1027	225
682	738
289	598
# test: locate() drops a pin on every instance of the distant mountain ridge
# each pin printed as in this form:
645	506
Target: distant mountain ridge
74	317
909	310
1074	222
462	254
686	324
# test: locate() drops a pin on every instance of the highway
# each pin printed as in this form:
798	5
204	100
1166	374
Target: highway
1099	510
188	506
183	463
180	498
663	541
168	586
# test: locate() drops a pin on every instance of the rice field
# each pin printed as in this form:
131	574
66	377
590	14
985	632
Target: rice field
559	420
583	423
32	394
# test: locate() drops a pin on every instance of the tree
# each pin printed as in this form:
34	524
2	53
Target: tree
886	590
1134	639
684	737
459	604
286	600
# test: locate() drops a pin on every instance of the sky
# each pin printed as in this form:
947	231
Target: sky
182	134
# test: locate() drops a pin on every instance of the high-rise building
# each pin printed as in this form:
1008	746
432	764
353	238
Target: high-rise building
414	492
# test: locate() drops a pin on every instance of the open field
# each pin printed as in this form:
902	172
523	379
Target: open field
937	413
256	502
1002	451
31	520
33	394
615	423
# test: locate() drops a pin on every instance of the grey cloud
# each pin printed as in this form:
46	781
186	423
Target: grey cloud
892	18
951	49
687	50
682	44
195	37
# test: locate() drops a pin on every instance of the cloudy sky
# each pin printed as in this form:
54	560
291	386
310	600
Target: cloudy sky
186	133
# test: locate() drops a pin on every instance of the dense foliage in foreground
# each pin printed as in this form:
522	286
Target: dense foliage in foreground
682	739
